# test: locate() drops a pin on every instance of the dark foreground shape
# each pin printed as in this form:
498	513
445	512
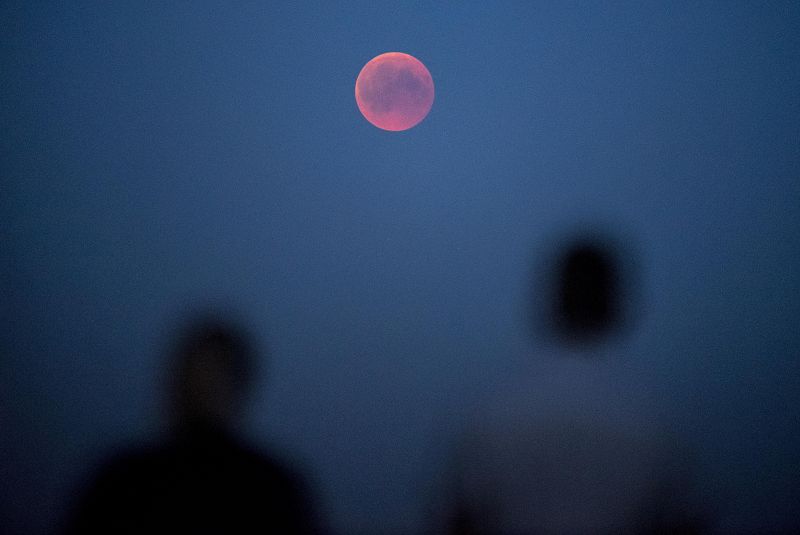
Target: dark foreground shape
203	482
202	478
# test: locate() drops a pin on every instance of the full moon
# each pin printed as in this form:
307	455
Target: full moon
394	91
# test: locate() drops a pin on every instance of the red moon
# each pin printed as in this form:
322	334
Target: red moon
394	91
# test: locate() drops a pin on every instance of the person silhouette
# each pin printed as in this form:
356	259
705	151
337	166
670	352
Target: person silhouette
202	478
575	444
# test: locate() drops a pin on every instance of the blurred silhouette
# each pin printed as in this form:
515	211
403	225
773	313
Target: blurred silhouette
584	291
203	478
576	445
586	305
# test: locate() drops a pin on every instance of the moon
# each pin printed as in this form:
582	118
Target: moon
394	91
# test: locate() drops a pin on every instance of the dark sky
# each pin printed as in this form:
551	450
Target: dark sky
155	156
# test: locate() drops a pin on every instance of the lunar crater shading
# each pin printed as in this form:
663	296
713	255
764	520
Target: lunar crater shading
394	91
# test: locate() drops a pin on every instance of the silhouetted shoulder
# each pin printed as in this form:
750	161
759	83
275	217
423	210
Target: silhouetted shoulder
215	484
109	493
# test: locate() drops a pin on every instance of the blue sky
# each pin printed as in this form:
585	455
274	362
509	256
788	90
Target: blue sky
156	156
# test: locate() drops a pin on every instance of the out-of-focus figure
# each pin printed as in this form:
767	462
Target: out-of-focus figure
576	445
203	478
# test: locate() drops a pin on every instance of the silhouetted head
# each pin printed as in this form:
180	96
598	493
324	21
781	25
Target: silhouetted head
588	288
213	363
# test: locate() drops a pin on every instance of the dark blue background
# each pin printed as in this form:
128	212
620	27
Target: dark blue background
156	156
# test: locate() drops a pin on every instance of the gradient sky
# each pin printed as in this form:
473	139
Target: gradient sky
156	156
